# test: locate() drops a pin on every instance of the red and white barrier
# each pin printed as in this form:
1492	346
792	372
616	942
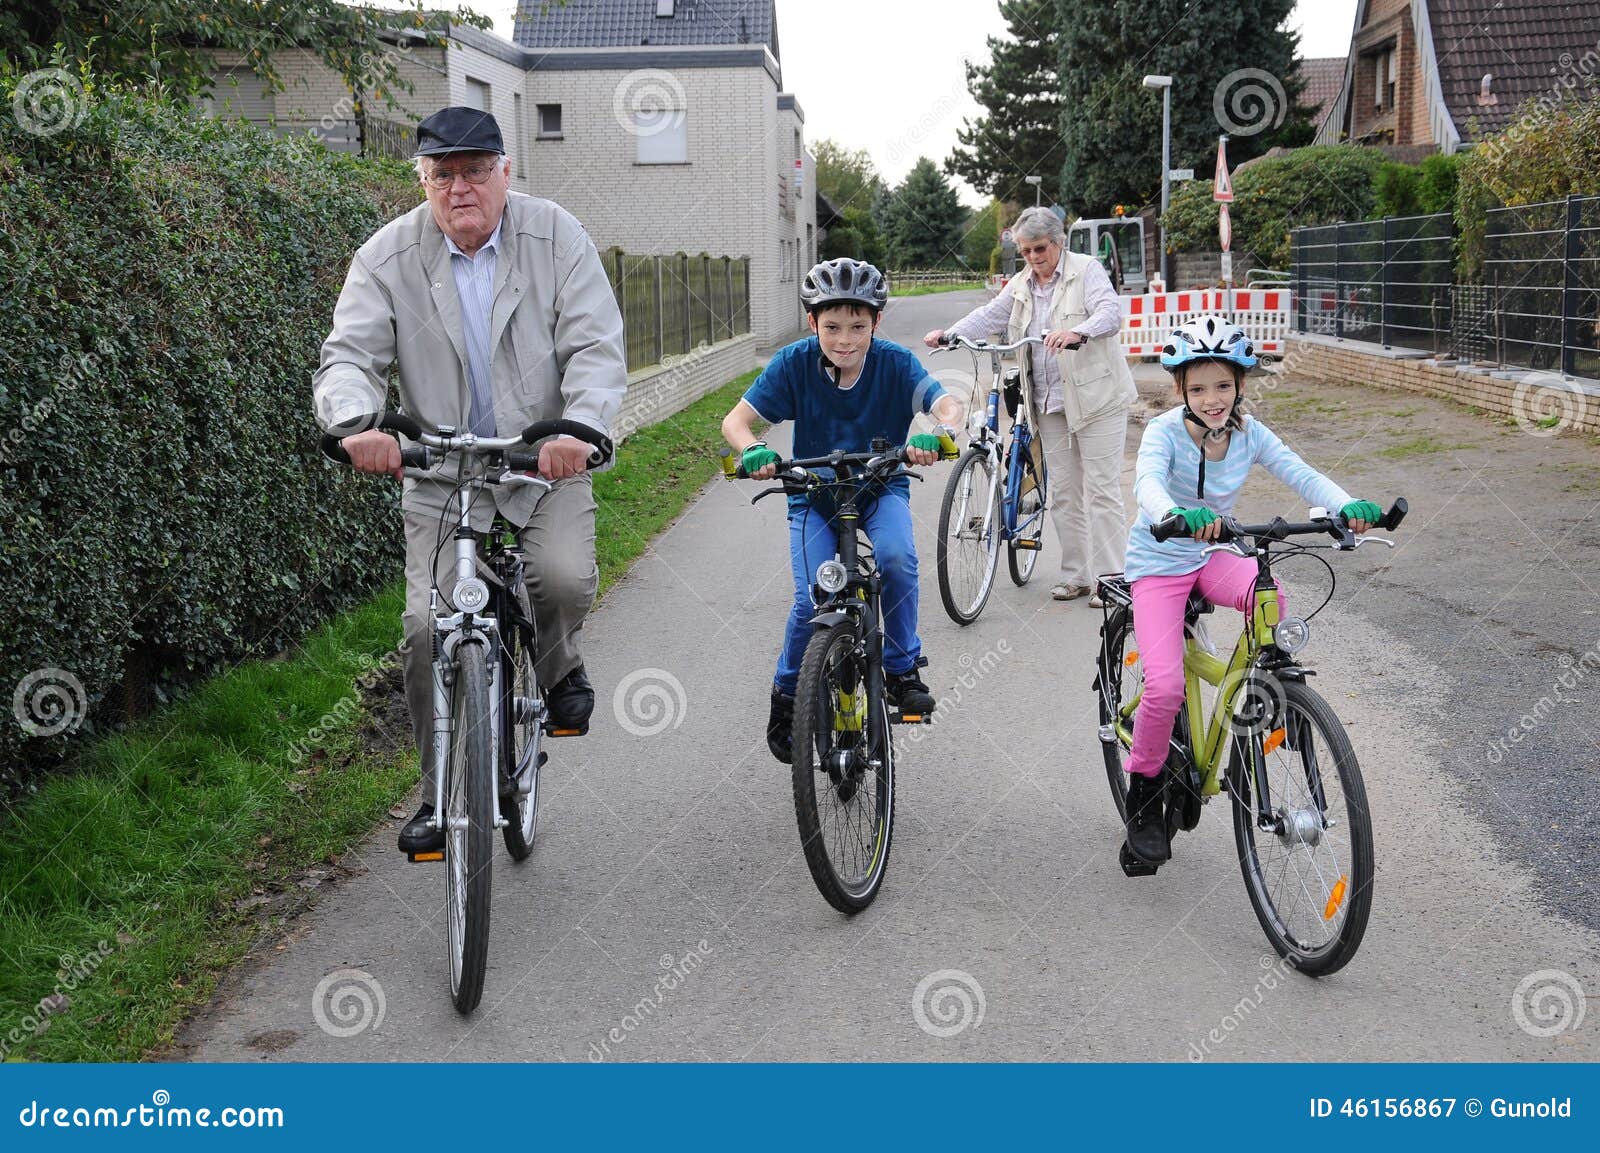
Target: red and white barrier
1263	313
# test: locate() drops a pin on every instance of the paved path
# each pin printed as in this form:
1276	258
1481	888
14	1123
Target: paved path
668	915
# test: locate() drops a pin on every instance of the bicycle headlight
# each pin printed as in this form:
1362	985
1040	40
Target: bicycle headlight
831	576
471	595
1292	634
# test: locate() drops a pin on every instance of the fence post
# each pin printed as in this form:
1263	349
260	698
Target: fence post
1383	288
660	324
727	279
1299	245
1338	281
688	303
1570	287
617	257
1499	326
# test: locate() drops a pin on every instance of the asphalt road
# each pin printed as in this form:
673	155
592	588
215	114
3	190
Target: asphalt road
667	913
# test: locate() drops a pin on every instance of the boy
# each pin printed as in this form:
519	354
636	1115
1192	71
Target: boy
842	388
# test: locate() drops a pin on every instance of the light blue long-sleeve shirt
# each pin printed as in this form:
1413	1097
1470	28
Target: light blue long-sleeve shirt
1167	477
475	287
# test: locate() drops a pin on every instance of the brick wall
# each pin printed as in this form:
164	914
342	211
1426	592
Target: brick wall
1540	402
656	393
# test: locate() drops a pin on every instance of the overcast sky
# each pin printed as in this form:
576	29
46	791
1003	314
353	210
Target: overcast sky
900	91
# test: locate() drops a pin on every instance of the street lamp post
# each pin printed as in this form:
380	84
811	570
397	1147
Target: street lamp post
1036	181
1165	84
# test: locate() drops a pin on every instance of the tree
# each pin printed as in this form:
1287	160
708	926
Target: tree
853	186
172	42
926	221
1233	70
983	233
1020	131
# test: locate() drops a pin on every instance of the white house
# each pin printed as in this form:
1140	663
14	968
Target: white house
661	124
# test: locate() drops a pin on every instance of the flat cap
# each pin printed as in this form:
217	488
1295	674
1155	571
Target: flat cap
458	129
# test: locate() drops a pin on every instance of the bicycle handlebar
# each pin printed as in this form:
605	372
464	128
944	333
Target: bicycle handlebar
951	340
1278	529
420	456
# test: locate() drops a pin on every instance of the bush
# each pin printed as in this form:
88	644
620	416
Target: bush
165	510
1395	190
1275	194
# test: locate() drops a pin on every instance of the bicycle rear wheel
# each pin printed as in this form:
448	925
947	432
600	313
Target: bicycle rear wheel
969	536
469	828
1308	860
521	733
1030	525
843	771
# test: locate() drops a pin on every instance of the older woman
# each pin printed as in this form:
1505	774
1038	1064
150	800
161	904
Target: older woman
1080	386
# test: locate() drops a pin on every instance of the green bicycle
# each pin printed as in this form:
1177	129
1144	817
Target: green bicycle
1300	817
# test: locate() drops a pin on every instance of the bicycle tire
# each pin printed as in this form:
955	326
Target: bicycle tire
1114	682
1315	722
974	462
814	729
469	831
521	733
1021	561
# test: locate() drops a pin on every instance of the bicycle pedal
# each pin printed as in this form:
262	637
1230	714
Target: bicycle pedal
1023	544
1132	866
911	719
434	855
554	731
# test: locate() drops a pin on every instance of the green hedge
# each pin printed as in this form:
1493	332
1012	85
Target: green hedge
171	278
1275	194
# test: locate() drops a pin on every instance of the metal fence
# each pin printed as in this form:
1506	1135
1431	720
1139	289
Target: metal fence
1386	281
1542	273
673	304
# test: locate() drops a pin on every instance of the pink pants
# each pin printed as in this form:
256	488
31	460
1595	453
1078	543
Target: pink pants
1158	602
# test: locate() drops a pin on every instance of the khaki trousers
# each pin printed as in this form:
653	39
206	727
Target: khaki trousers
1086	492
560	573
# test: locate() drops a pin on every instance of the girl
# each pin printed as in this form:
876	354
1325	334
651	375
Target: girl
1192	462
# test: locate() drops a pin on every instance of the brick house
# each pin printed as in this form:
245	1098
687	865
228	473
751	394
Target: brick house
1434	75
661	124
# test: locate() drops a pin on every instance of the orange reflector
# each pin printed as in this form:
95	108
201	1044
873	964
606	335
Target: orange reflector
911	718
1274	739
565	733
1131	659
427	856
1335	899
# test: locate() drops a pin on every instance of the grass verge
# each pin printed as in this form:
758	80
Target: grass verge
130	885
930	289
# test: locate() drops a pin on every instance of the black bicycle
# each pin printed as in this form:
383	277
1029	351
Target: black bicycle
843	763
489	716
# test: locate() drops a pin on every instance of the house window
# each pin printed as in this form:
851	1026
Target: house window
662	136
549	121
516	109
1384	73
1393	65
664	9
477	95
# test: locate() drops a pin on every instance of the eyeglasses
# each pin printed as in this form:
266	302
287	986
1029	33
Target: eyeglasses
475	173
1037	249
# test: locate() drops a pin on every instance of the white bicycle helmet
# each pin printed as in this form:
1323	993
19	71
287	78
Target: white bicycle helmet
844	281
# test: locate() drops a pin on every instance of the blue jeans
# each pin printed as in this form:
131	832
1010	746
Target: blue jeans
813	539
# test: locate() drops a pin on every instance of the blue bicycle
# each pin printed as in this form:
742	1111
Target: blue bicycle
996	493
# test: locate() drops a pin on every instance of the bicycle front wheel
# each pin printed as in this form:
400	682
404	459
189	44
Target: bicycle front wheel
1304	833
969	536
469	829
843	771
522	734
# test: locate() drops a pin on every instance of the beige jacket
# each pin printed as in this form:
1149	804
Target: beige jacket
1095	378
555	331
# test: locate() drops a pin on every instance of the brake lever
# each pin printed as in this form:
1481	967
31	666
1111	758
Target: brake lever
1361	540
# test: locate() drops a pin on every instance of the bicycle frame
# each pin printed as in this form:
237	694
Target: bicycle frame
1002	452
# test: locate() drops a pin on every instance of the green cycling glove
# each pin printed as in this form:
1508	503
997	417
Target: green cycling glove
941	441
757	457
1195	518
1362	510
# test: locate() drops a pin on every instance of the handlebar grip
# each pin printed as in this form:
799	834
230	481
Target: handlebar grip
1167	529
401	423
522	461
599	441
331	448
417	456
1397	513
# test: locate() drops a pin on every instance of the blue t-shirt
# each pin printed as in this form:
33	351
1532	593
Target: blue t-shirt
892	388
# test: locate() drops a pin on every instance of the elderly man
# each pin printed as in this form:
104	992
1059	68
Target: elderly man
1080	386
498	312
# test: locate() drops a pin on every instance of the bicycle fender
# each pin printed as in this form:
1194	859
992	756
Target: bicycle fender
831	617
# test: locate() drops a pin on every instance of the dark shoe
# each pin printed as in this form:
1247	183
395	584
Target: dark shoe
1147	819
908	694
570	701
780	726
417	837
